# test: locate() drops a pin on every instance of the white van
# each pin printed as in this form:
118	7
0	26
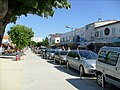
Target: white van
108	66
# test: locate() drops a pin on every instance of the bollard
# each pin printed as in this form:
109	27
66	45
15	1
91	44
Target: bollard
16	58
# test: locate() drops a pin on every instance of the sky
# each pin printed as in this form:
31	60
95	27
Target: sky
81	13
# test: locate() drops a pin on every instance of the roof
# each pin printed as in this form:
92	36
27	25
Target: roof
102	21
55	35
108	24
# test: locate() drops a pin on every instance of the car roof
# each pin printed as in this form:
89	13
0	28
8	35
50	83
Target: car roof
110	49
79	50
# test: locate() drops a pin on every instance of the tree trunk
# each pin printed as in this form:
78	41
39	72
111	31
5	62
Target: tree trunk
2	30
3	8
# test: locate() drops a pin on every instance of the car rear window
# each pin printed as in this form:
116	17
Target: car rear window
63	53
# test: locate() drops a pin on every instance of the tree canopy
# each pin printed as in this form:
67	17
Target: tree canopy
10	10
20	36
43	8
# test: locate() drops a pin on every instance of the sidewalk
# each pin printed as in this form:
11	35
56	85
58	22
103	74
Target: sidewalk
32	73
41	75
10	73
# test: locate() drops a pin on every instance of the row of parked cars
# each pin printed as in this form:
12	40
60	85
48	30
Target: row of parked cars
105	65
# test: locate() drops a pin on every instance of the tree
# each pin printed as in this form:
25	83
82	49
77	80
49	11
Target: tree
46	43
20	36
11	10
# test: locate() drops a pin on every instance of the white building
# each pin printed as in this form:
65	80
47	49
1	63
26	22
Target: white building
54	38
90	31
107	33
69	36
37	39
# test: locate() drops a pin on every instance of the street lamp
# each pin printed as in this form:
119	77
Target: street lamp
72	31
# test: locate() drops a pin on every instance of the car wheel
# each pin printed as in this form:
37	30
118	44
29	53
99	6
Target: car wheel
81	69
101	80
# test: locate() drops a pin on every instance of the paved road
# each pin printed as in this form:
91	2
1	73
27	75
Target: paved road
34	73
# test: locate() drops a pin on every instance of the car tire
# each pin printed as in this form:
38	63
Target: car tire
100	80
82	72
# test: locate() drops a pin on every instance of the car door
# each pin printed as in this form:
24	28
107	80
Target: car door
76	61
118	70
70	58
110	67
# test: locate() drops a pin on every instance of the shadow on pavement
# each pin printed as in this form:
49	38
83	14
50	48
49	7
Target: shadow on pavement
84	84
89	84
71	71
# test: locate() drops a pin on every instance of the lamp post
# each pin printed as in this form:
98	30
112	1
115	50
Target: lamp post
72	32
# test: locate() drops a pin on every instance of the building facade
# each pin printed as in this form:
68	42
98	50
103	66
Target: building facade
37	39
90	30
54	39
94	35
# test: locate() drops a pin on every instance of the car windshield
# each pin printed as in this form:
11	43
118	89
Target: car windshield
63	53
88	54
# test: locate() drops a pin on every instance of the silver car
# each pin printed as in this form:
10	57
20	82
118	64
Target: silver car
82	60
60	56
50	54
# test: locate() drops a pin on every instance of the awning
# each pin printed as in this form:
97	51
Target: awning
115	40
106	40
84	44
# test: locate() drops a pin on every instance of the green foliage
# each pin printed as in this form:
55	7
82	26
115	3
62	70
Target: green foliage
45	42
20	35
33	43
43	8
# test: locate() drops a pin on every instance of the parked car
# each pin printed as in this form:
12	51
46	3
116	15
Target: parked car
108	66
60	56
50	54
82	60
44	53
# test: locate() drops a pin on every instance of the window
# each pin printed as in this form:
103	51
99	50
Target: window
102	56
76	55
63	53
57	40
97	34
101	33
57	53
106	31
63	39
66	39
71	54
108	57
112	58
113	31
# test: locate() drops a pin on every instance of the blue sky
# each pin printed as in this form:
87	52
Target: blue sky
81	13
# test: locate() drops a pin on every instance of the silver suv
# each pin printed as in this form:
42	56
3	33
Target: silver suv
108	66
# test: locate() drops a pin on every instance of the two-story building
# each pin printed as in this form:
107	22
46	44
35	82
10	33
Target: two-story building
72	39
90	29
54	39
108	34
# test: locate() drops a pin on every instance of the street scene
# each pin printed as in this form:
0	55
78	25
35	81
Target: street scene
34	73
59	45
